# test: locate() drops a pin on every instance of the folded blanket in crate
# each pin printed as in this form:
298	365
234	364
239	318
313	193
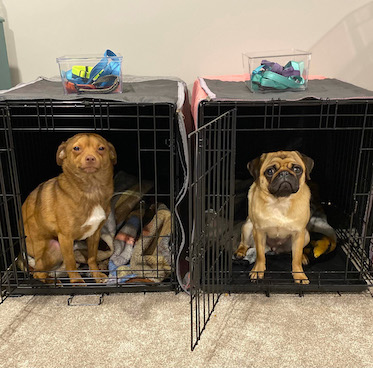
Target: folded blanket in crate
151	257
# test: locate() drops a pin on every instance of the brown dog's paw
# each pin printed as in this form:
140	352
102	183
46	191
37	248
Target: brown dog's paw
241	251
239	255
99	277
301	278
41	276
77	280
46	278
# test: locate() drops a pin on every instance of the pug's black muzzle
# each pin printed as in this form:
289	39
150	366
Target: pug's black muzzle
284	184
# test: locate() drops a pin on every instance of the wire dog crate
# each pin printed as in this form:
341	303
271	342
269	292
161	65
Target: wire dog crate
338	135
150	154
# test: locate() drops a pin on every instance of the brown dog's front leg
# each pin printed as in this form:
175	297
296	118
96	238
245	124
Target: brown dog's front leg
297	250
41	265
92	243
260	264
67	250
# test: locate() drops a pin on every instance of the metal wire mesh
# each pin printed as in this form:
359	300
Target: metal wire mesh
145	136
211	194
338	135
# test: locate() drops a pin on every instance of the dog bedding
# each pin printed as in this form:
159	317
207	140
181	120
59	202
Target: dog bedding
151	256
138	236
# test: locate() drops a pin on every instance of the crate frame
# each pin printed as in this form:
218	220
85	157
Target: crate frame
327	116
157	122
257	119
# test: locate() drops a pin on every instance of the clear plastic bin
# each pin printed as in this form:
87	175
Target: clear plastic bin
91	73
276	71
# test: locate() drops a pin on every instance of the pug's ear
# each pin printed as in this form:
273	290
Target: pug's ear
61	153
254	167
308	163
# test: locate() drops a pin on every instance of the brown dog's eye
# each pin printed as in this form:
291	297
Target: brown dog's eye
101	148
76	148
297	169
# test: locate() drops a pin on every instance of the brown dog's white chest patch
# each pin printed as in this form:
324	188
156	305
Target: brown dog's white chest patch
93	221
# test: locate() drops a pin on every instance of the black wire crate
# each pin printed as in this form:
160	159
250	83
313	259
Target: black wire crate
338	136
148	178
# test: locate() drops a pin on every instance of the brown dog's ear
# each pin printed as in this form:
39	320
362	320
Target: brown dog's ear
112	153
61	153
254	167
308	162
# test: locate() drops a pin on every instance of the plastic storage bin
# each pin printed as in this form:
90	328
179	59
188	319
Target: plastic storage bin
91	73
276	71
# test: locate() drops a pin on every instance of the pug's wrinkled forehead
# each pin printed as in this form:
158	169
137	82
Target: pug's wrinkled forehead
282	160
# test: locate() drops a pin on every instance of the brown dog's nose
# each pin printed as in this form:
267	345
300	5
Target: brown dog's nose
90	158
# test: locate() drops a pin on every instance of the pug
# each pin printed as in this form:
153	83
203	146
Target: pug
279	210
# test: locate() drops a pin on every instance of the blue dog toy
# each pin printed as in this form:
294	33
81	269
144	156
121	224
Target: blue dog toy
102	78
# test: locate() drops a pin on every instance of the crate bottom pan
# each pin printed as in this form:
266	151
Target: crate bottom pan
328	274
26	285
338	271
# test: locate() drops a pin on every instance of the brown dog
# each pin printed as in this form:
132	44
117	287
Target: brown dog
71	206
279	209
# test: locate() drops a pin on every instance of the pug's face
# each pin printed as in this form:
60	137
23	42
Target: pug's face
281	173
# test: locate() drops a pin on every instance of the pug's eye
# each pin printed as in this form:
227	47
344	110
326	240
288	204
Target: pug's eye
270	171
76	148
101	148
297	169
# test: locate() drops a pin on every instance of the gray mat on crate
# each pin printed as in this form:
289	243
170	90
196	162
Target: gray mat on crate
332	89
135	90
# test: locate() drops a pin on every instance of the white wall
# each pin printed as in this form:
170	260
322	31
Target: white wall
189	38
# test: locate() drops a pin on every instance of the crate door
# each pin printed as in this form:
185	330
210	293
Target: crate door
211	209
360	236
11	233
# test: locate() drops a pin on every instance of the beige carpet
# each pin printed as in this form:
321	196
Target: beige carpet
153	330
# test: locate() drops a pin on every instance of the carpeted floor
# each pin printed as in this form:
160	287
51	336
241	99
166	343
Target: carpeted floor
153	330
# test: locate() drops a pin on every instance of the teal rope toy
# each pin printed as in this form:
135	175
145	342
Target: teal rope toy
272	76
